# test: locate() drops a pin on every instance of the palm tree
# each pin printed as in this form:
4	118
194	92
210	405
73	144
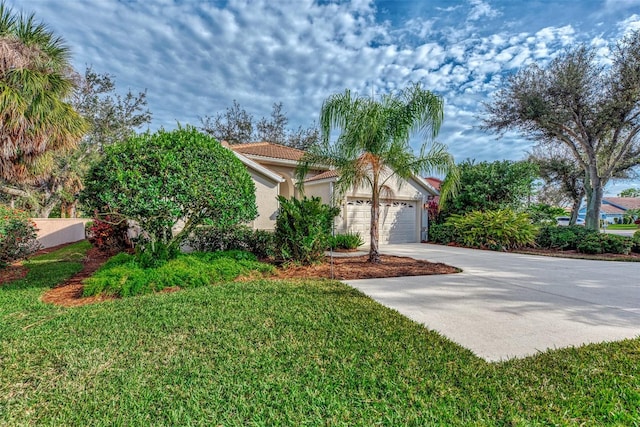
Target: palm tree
35	80
373	145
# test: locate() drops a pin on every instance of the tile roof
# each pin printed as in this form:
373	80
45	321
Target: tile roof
623	202
610	209
323	175
268	149
434	182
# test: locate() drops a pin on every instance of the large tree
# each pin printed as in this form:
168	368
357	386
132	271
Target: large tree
485	186
593	109
35	80
373	145
111	118
236	126
563	177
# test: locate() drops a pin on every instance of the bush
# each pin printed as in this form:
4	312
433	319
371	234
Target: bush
497	230
441	233
563	238
590	245
211	239
303	229
598	243
124	275
169	183
17	235
347	241
635	240
108	234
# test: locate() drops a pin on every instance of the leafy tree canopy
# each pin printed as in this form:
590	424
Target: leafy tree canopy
237	126
630	192
575	101
168	179
486	186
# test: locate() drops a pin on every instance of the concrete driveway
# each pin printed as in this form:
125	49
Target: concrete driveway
509	305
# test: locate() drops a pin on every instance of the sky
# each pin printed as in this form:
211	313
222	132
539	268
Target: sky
194	58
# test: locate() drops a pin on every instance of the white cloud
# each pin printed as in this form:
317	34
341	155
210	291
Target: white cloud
481	9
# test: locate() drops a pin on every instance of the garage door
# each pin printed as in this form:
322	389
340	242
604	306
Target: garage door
397	220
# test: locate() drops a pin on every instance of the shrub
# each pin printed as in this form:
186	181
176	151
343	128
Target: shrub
303	229
497	230
598	243
124	275
441	233
169	183
17	235
543	214
563	238
108	234
635	240
210	239
591	244
348	241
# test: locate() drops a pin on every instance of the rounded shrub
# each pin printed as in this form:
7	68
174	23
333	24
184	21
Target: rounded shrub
169	183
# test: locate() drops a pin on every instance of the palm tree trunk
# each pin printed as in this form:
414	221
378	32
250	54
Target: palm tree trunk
374	254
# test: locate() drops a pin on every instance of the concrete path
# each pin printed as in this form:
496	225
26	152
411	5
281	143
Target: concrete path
510	305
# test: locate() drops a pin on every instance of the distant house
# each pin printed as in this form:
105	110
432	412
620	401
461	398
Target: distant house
614	207
272	167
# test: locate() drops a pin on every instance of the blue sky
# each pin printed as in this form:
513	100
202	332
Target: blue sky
194	58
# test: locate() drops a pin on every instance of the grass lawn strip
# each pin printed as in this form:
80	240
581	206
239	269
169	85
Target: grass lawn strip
283	353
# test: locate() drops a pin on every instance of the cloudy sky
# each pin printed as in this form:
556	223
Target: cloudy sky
195	57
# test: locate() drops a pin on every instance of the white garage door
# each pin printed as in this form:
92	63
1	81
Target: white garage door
397	220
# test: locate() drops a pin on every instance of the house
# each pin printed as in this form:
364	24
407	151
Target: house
614	207
272	167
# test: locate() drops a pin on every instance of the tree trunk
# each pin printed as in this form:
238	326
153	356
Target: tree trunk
577	201
374	254
594	193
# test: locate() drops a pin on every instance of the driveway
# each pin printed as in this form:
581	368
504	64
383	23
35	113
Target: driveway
510	305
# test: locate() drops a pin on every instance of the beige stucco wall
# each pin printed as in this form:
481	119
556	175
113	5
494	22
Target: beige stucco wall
266	200
57	231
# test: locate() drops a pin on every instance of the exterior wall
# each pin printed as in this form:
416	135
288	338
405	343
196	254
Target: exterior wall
266	200
57	231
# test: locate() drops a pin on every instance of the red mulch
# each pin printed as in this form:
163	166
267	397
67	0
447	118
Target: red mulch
69	293
11	273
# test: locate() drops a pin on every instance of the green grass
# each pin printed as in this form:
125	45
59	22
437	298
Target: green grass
622	227
284	353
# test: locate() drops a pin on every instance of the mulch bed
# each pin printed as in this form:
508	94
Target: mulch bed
351	268
69	293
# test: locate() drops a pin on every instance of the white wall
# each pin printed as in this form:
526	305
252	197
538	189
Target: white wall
57	231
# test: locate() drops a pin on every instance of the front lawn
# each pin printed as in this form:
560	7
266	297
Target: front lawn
269	352
622	227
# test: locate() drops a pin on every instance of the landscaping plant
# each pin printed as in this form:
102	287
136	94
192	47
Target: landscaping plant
497	230
562	238
347	241
210	238
126	275
303	229
17	235
169	183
